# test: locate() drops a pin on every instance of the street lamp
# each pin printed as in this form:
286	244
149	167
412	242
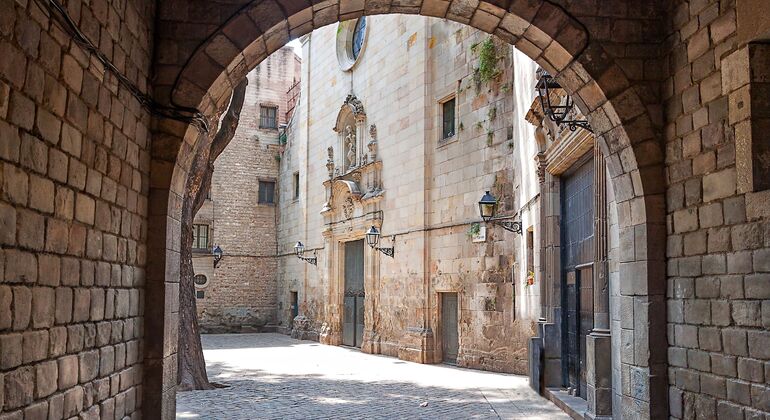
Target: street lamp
217	253
299	249
488	209
557	113
373	237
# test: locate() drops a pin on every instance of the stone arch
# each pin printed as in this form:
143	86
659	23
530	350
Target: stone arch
626	129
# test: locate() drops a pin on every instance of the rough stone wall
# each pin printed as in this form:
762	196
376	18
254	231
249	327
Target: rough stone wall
442	180
241	291
74	178
719	237
494	318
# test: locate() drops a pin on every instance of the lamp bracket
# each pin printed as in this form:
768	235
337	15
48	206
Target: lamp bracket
558	113
510	226
309	260
217	258
387	251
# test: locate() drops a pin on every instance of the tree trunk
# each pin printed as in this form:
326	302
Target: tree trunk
191	364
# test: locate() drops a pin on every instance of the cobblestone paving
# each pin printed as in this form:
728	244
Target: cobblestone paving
272	376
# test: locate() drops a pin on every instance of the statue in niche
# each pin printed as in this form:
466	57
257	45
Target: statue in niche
330	161
372	143
350	144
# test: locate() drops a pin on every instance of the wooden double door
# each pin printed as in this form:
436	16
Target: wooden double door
354	294
577	236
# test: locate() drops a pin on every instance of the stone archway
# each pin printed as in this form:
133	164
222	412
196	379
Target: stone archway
199	71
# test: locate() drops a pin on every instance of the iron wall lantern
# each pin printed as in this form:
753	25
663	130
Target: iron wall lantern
373	237
488	209
299	249
558	113
217	253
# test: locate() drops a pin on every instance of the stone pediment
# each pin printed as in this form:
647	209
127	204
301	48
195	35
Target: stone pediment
346	187
352	105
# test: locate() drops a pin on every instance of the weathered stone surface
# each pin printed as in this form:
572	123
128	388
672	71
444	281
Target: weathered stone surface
11	350
19	386
46	379
68	372
89	365
43	307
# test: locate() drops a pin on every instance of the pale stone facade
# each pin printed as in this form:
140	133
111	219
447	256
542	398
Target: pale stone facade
412	184
240	293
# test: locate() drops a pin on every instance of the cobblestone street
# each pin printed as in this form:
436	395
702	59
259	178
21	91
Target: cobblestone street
270	376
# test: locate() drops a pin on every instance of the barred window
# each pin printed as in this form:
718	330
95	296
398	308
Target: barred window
448	119
266	192
200	236
268	117
296	185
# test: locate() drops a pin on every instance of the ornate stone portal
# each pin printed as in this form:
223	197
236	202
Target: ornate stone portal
353	193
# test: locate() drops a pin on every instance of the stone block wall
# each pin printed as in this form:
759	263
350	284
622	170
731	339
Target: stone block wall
719	235
241	292
74	179
432	187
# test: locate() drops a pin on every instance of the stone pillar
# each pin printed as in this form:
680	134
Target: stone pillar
601	280
599	376
599	343
547	345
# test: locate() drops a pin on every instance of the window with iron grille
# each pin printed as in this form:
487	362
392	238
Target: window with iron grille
268	117
448	119
296	185
200	236
266	192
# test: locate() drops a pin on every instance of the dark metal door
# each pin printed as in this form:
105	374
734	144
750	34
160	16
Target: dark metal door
353	316
577	233
294	306
450	340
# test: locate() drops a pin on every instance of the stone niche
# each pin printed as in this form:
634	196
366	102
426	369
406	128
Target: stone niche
354	191
355	173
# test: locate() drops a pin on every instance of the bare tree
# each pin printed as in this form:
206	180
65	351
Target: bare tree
191	364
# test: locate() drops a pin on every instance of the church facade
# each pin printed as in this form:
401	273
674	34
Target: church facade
409	155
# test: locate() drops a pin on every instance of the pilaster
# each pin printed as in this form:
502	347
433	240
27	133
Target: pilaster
599	375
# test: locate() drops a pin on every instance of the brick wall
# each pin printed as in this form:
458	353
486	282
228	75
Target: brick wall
241	291
74	172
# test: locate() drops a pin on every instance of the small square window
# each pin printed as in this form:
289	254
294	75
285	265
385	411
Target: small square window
266	192
200	236
296	185
268	117
199	294
448	119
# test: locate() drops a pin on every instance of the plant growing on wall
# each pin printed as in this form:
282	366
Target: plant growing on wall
530	278
474	229
488	59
